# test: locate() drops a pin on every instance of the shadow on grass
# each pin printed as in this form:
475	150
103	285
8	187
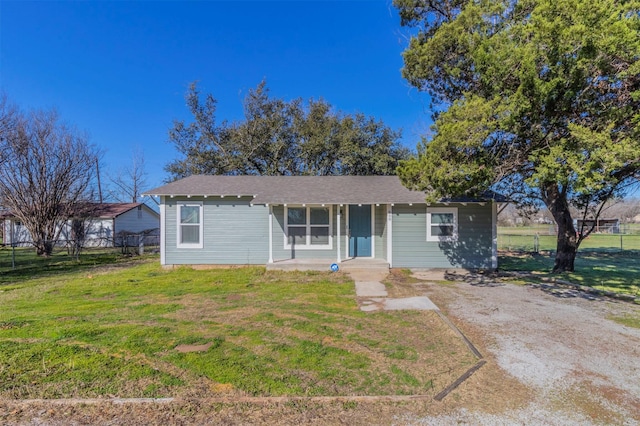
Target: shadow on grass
604	270
25	264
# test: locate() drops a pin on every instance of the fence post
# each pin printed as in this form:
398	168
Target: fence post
13	247
621	249
140	244
536	243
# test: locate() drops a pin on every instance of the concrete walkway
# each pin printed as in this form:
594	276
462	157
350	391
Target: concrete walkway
372	293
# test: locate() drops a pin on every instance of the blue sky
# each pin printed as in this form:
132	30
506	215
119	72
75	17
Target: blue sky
120	69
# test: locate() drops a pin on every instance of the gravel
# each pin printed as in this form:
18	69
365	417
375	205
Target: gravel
584	367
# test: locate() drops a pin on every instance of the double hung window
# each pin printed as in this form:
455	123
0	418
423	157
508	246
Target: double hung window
308	227
442	224
189	225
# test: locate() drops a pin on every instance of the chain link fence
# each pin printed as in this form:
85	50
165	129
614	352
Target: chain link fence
22	254
535	243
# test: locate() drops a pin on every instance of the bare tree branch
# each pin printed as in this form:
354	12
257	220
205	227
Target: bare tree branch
47	170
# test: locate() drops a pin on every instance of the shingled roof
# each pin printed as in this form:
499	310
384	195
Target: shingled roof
95	210
106	210
302	189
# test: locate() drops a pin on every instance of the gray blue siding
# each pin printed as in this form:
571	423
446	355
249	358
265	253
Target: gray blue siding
380	231
472	250
234	233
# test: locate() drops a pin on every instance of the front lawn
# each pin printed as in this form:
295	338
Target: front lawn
137	330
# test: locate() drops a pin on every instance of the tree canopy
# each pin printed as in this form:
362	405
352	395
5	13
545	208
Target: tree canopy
279	137
538	99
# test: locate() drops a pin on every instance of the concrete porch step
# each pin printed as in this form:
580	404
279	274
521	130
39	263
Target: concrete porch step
348	265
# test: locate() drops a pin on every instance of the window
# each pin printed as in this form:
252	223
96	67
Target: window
190	225
308	227
442	224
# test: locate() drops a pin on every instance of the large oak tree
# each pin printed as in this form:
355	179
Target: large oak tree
279	137
538	99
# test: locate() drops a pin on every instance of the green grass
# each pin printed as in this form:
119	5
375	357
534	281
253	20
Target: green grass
617	272
628	320
23	263
73	330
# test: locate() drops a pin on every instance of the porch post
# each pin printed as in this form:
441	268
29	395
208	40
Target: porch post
338	233
270	233
494	234
390	234
346	235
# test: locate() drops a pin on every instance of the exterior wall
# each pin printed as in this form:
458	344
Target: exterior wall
20	236
473	248
98	233
234	233
135	221
380	232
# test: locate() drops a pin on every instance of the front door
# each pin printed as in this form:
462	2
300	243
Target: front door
360	231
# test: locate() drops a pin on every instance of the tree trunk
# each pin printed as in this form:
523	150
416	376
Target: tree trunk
567	245
44	248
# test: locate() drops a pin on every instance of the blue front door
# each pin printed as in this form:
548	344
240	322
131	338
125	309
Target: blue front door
360	231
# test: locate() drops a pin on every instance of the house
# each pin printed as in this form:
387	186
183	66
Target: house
266	220
103	225
609	226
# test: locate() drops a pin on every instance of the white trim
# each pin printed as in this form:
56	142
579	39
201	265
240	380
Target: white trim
373	231
494	235
338	255
308	225
447	210
200	243
347	234
270	233
163	240
390	234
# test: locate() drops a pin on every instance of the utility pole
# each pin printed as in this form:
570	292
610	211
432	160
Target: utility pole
99	186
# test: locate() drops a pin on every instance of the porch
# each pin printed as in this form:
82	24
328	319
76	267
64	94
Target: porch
347	265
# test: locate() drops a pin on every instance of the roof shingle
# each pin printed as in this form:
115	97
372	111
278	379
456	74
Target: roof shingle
300	189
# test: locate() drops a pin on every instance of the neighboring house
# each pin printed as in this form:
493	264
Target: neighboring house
609	226
104	224
222	220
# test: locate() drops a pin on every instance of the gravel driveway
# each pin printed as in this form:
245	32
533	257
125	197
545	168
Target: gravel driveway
583	367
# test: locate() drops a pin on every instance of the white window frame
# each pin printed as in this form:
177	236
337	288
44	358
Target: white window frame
308	226
179	224
446	210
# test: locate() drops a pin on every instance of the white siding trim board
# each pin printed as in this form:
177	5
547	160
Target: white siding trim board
163	227
390	234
